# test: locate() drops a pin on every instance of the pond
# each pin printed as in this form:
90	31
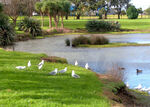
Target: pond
99	59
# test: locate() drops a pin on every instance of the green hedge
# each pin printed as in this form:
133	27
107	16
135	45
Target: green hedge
102	26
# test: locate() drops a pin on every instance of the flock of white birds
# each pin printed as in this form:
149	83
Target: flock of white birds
140	88
40	65
74	75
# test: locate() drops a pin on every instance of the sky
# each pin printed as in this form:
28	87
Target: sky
144	4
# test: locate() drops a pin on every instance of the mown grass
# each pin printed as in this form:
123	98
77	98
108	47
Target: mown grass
34	88
137	24
111	45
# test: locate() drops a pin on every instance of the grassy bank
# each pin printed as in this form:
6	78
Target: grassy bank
111	45
33	87
136	26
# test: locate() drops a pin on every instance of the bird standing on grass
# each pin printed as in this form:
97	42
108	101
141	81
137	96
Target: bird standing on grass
76	63
74	75
86	66
21	67
40	65
29	63
54	72
63	71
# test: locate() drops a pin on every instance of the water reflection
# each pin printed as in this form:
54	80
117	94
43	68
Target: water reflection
99	60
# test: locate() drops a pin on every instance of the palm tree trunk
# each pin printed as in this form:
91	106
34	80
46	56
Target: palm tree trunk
42	18
50	21
62	22
55	21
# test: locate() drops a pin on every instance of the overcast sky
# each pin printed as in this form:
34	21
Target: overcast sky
141	3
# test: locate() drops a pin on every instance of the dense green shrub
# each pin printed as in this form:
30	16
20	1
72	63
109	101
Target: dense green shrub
102	26
92	40
67	41
80	40
7	33
132	12
31	25
98	40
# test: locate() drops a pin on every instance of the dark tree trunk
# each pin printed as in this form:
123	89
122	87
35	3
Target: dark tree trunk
78	16
14	22
66	16
56	20
119	15
62	22
106	15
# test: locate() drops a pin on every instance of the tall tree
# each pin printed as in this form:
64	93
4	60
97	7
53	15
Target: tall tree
12	10
48	8
79	6
38	7
65	9
119	4
147	11
28	7
140	11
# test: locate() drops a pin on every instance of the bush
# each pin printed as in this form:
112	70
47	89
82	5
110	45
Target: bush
31	25
98	40
80	40
132	12
7	33
92	40
102	26
67	41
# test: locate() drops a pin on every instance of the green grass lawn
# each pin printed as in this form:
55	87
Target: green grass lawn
111	45
34	88
137	24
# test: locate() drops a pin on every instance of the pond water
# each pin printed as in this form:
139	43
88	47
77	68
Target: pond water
131	58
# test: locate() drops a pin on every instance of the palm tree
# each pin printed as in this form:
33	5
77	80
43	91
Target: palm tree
47	8
38	7
56	12
65	9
